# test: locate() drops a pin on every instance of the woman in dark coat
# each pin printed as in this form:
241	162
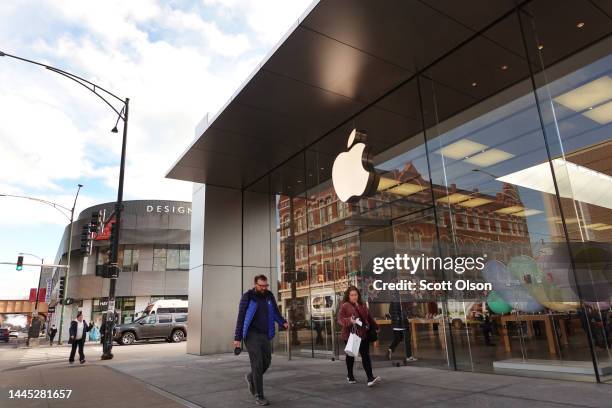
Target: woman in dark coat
352	311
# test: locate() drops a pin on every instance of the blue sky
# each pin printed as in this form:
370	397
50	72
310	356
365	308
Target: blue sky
176	60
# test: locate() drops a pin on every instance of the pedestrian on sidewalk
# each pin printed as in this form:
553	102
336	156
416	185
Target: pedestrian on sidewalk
354	315
52	333
78	333
257	313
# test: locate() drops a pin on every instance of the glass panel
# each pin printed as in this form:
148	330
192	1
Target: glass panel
135	257
172	259
159	259
574	91
126	259
184	261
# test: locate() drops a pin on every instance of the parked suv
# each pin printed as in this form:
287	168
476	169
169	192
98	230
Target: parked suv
172	327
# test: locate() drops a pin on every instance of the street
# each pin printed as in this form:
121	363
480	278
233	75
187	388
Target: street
159	374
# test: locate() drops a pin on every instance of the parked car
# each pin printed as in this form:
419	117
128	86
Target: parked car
4	334
14	333
169	326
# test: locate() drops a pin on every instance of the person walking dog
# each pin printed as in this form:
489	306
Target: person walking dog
78	331
354	316
255	325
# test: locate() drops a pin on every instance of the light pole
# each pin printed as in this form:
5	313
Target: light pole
61	323
35	313
123	115
63	210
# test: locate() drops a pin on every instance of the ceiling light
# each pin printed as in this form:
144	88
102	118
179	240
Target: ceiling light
474	84
504	67
454	198
596	225
588	185
568	221
587	95
461	149
510	210
601	114
386	182
580	24
406	189
526	213
605	227
540	47
475	202
489	158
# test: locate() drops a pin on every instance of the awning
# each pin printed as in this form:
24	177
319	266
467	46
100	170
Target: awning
338	59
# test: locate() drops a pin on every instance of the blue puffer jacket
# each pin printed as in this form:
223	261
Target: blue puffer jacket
246	312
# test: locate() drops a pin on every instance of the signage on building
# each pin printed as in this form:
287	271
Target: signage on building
51	309
111	306
353	173
168	209
49	290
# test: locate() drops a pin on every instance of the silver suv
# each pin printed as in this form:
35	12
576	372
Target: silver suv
169	326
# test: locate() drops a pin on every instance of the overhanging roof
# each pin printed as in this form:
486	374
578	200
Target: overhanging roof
338	59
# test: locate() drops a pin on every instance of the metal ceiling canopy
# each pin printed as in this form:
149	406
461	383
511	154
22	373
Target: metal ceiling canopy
339	58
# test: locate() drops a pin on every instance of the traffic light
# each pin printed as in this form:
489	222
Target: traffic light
19	263
96	222
85	237
62	286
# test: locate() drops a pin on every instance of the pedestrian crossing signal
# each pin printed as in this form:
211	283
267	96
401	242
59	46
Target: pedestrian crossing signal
19	263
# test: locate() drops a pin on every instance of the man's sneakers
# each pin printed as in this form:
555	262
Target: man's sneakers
351	380
250	384
374	381
261	401
82	361
411	359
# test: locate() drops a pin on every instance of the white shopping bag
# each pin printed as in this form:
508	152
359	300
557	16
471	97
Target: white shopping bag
352	345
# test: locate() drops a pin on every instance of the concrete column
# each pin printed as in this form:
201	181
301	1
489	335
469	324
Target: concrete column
221	267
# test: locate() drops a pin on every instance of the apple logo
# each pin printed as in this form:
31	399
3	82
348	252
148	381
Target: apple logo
353	174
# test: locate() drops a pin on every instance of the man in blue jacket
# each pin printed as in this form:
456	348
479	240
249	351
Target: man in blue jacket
255	325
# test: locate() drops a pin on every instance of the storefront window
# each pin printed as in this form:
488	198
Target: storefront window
500	150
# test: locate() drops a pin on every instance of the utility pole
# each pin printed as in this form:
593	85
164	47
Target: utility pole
107	353
59	337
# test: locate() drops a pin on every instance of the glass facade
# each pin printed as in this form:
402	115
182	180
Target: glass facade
501	149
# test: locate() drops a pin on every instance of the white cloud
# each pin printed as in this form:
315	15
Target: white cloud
175	64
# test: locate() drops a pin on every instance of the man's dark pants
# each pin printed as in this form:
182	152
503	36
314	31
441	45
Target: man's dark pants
260	353
80	344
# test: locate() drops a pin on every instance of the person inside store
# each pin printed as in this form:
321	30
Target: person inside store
401	330
354	316
78	333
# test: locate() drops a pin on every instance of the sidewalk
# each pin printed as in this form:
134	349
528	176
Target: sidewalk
176	379
91	385
217	381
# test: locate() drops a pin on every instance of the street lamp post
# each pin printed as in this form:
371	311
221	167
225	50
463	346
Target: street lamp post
122	114
61	323
63	211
